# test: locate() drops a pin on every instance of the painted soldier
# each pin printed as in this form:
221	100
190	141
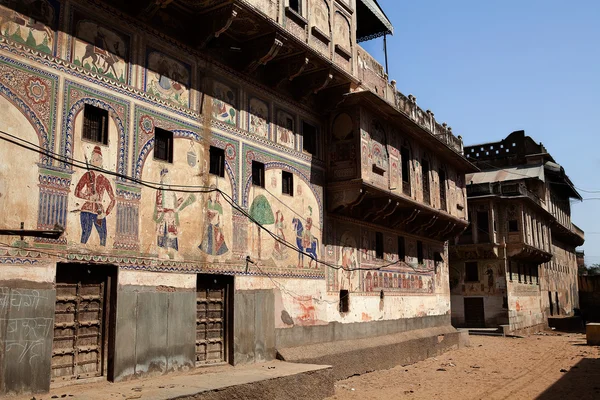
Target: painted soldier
166	213
93	187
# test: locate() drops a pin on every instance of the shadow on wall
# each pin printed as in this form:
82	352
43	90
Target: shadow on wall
581	382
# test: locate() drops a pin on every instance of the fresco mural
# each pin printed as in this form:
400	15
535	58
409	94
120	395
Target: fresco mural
168	78
286	124
280	251
101	50
30	22
258	117
348	277
97	191
167	206
305	240
213	241
224	103
373	275
295	223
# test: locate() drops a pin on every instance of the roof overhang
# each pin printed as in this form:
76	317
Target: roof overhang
507	174
371	21
363	201
408	126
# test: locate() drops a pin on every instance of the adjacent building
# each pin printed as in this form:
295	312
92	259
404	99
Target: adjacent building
234	178
516	264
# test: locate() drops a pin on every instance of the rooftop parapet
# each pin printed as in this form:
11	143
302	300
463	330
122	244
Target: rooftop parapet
373	77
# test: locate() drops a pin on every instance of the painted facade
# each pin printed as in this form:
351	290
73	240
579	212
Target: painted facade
516	264
151	235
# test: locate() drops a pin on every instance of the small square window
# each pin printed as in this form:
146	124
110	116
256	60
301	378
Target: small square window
258	174
379	245
217	161
309	138
95	124
287	183
163	145
513	225
471	272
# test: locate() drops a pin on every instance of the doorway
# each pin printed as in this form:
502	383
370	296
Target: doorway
84	320
551	304
474	312
214	311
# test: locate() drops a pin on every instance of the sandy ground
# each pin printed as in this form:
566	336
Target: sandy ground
557	366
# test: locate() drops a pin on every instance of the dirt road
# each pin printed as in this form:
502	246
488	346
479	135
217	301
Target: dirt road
536	367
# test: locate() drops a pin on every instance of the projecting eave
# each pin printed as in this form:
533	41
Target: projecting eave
371	21
408	126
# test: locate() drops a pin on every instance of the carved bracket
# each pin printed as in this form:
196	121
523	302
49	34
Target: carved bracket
214	23
288	68
261	50
312	83
151	8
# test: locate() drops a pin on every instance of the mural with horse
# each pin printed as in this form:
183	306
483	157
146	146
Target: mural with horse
305	241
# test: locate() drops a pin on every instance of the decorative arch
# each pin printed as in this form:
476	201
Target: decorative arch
68	138
38	126
180	134
287	168
342	30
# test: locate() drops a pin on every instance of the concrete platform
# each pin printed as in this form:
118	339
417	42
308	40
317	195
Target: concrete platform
358	356
272	380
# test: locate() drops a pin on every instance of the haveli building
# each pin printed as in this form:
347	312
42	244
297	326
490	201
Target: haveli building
234	179
516	264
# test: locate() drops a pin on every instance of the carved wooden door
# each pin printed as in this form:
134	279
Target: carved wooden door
77	350
211	319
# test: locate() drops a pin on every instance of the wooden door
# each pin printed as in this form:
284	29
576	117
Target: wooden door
474	312
212	298
78	345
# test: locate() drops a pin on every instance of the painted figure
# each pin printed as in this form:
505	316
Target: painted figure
166	213
92	187
169	79
223	104
259	114
279	250
100	50
213	242
305	241
349	265
97	52
285	129
29	22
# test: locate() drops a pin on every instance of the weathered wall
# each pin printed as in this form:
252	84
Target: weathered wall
491	286
254	326
27	298
524	305
559	276
155	324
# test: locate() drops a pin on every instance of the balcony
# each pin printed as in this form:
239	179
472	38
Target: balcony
508	189
363	201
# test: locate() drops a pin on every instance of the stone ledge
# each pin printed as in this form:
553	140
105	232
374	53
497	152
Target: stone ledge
359	356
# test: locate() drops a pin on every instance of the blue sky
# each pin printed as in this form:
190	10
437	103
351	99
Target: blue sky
488	68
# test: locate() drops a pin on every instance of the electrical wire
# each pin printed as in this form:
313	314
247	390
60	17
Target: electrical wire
193	189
